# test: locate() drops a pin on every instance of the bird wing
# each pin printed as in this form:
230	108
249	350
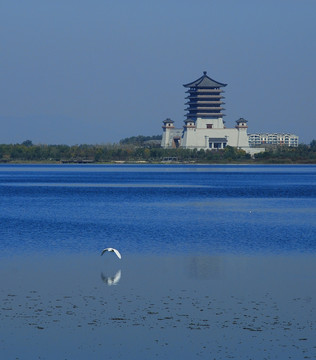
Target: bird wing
117	253
104	250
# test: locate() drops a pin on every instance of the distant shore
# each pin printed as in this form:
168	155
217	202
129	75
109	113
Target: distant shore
271	162
27	153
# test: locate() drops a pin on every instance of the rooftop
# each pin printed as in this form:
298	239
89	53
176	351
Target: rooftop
204	82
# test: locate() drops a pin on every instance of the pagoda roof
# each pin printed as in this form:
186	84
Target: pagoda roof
197	108
168	120
241	120
204	82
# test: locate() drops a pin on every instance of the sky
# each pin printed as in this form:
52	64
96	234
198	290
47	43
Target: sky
97	71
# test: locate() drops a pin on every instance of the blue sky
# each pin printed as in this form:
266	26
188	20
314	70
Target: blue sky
97	71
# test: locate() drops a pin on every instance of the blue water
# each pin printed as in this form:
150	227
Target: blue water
158	209
218	262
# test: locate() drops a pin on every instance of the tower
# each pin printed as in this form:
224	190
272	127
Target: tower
205	103
168	127
242	139
189	130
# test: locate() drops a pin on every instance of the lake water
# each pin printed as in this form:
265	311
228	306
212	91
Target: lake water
218	262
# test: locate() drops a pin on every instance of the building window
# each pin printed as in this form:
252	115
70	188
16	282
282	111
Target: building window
209	126
217	145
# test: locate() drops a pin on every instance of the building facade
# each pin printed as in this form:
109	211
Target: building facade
273	139
204	127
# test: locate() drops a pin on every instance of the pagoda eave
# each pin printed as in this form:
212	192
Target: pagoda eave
204	102
206	115
205	90
204	108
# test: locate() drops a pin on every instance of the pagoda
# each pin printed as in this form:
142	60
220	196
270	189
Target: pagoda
205	99
204	127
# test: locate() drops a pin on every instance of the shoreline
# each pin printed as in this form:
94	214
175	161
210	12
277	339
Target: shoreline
143	162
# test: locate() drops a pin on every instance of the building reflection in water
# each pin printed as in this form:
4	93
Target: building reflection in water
204	267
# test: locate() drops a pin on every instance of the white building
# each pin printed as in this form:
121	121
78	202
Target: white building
204	126
273	139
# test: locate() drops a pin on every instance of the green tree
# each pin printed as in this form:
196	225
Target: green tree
27	143
313	145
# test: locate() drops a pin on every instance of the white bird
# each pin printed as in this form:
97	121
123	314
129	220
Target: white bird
112	250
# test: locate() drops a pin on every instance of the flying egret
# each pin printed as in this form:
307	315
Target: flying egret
112	250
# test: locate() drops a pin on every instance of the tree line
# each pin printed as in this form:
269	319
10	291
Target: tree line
28	152
140	140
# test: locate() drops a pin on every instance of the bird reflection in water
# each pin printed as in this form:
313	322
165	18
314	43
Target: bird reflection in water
111	280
